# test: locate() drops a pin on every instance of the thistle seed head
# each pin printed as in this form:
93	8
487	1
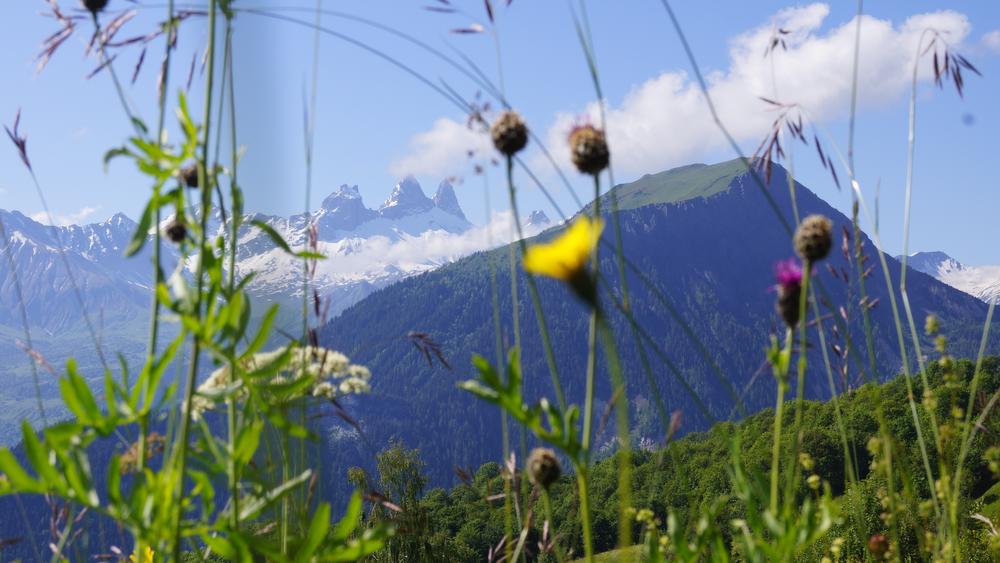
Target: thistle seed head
509	133
95	6
813	238
189	175
543	467
589	149
176	231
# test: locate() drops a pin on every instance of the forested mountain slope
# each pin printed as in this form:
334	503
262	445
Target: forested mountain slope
706	240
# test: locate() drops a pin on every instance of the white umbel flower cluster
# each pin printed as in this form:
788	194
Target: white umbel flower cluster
331	373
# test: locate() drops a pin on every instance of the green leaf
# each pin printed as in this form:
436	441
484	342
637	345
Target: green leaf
247	442
262	333
276	238
19	479
346	526
37	454
253	506
318	528
77	396
142	231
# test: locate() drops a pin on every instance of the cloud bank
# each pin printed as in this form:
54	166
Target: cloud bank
665	121
75	218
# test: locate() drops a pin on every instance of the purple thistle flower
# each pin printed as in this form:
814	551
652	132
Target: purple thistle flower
789	289
788	273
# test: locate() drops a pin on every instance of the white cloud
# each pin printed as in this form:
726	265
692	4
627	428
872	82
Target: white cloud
375	255
992	40
75	218
665	122
441	151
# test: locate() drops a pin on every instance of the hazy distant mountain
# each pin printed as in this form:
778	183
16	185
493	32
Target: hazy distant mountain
980	281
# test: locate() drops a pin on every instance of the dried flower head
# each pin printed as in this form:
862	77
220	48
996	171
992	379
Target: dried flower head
95	6
789	276
813	238
589	149
543	467
176	231
509	133
189	175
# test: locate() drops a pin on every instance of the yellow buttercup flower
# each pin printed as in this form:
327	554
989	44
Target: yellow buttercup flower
146	556
565	257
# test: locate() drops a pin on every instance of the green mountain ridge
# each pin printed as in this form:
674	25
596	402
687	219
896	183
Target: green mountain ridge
707	239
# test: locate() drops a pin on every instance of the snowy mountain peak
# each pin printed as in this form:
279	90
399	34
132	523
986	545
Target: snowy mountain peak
538	218
446	201
979	281
343	210
341	194
407	198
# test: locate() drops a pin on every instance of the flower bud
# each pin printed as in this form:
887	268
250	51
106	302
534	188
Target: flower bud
813	238
509	133
543	467
589	149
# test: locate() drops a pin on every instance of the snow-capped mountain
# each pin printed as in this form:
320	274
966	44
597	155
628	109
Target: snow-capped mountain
108	282
366	249
538	219
980	281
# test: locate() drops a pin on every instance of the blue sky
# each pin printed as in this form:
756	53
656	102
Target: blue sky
375	122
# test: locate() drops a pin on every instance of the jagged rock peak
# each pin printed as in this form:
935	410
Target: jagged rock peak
340	195
538	218
344	210
119	219
446	201
407	198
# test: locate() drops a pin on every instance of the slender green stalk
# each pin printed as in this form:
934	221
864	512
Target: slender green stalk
620	398
206	204
968	430
588	404
800	384
286	474
583	487
782	384
508	508
536	300
547	504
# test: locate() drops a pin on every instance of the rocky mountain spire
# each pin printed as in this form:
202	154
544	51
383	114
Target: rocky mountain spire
407	198
446	201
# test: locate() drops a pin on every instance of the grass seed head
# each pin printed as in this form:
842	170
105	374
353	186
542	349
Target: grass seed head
589	149
813	238
543	467
509	133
